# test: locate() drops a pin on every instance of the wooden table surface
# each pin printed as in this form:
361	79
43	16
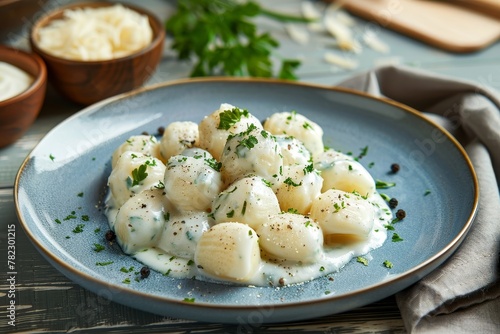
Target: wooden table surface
48	302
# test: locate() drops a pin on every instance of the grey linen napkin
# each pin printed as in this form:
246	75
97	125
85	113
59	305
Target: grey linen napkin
462	295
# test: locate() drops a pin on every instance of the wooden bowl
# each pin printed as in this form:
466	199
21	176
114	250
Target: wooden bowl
15	14
19	112
87	82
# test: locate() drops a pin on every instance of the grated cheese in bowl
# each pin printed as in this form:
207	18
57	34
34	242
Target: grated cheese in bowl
91	34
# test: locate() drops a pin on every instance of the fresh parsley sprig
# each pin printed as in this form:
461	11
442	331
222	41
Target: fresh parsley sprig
228	118
139	174
222	38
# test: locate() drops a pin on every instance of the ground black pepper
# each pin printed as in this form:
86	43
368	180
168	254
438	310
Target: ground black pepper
145	272
110	235
395	168
400	214
393	203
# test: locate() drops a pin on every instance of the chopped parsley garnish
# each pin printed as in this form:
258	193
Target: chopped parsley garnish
396	238
385	197
79	228
364	151
321	268
290	182
307	223
389	227
228	118
379	184
151	163
427	192
190	262
97	230
102	264
308	169
362	260
388	264
80	194
189	300
126	270
139	174
292	210
338	207
264	134
70	216
52	157
371	164
160	185
244	208
58	221
214	164
85	218
98	247
306	125
249	142
230	214
126	281
250	232
292	115
267	183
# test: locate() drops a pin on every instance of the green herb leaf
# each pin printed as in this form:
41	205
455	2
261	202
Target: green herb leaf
228	118
362	260
388	264
98	248
379	184
223	39
102	264
139	174
214	164
79	228
396	238
290	182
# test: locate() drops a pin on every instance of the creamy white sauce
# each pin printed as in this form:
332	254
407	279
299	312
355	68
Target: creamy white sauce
332	259
173	251
13	81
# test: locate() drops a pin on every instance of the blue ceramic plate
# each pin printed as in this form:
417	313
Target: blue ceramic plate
64	180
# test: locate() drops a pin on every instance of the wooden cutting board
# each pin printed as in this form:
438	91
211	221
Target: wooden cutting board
453	25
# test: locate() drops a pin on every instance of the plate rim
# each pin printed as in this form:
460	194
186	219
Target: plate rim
407	275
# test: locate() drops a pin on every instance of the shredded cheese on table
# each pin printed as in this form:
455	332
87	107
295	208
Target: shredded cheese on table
91	34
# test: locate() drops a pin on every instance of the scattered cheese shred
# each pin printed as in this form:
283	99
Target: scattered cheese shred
91	34
372	40
345	63
342	33
297	33
311	12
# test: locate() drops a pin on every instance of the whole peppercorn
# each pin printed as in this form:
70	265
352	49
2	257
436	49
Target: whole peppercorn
110	235
145	133
393	203
145	272
161	130
400	214
395	168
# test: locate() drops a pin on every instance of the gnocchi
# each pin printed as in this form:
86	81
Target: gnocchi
229	199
